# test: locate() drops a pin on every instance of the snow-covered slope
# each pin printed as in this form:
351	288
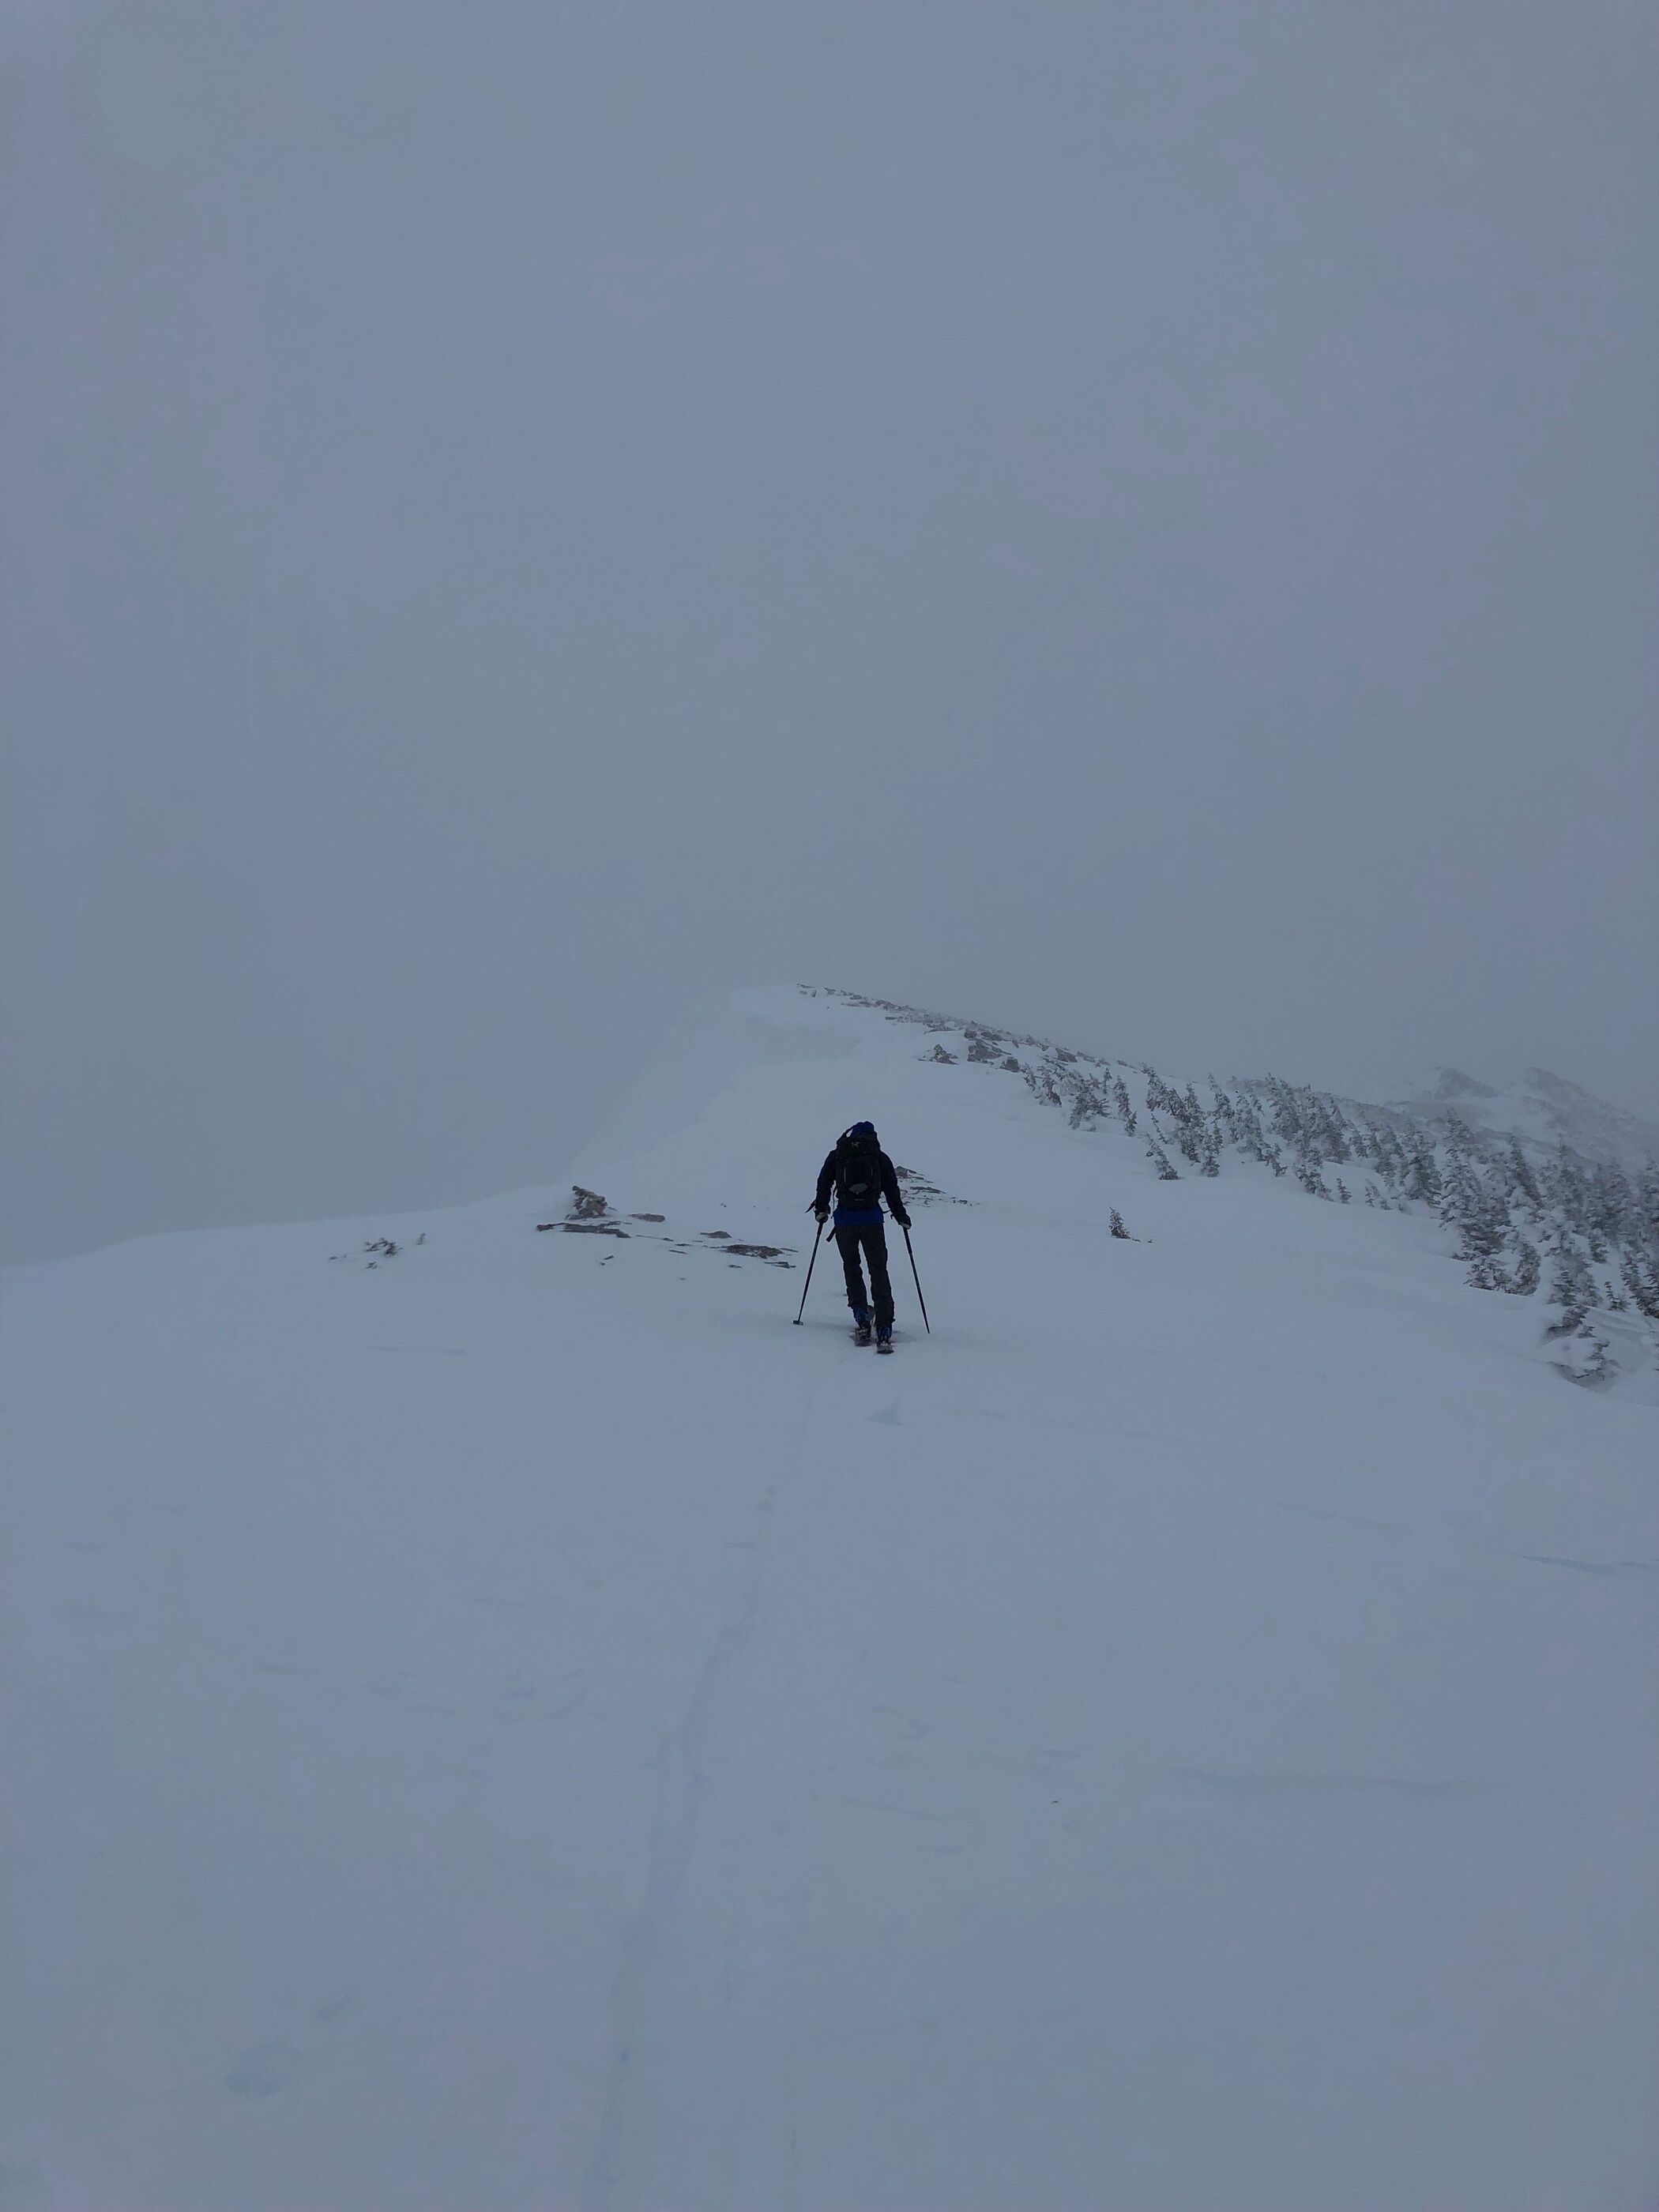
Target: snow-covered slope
510	1721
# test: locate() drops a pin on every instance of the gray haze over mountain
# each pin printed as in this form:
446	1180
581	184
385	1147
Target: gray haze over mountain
1137	523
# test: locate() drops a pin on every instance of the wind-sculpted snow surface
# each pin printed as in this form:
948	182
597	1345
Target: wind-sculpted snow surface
505	1721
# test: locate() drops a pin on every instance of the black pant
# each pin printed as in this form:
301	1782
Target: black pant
872	1238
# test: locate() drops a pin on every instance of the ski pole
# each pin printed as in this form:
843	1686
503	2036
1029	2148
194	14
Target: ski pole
920	1301
811	1264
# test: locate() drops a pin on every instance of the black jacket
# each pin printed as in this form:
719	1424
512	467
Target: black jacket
849	1217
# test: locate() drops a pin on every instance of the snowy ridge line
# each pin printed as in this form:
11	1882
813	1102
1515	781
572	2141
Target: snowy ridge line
1542	1106
1506	1198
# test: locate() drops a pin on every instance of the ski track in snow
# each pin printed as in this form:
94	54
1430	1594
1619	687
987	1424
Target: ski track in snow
523	1727
681	1785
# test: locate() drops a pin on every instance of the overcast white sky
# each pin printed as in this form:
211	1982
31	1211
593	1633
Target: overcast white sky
1136	521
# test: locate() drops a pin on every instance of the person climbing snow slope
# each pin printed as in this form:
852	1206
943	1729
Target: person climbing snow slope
861	1176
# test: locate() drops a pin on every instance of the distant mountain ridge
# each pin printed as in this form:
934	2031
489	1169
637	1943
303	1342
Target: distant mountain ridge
1540	1107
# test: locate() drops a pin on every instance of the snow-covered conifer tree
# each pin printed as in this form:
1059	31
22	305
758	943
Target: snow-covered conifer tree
1523	1282
1572	1288
1643	1291
1522	1182
1421	1179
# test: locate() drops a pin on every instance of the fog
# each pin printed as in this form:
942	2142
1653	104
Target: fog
1133	523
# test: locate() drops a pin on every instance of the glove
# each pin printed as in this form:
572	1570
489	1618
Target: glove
820	1214
902	1219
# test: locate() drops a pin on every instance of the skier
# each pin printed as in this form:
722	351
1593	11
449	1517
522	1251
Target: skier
862	1176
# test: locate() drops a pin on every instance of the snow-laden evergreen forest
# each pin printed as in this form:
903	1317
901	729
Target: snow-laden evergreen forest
1573	1223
